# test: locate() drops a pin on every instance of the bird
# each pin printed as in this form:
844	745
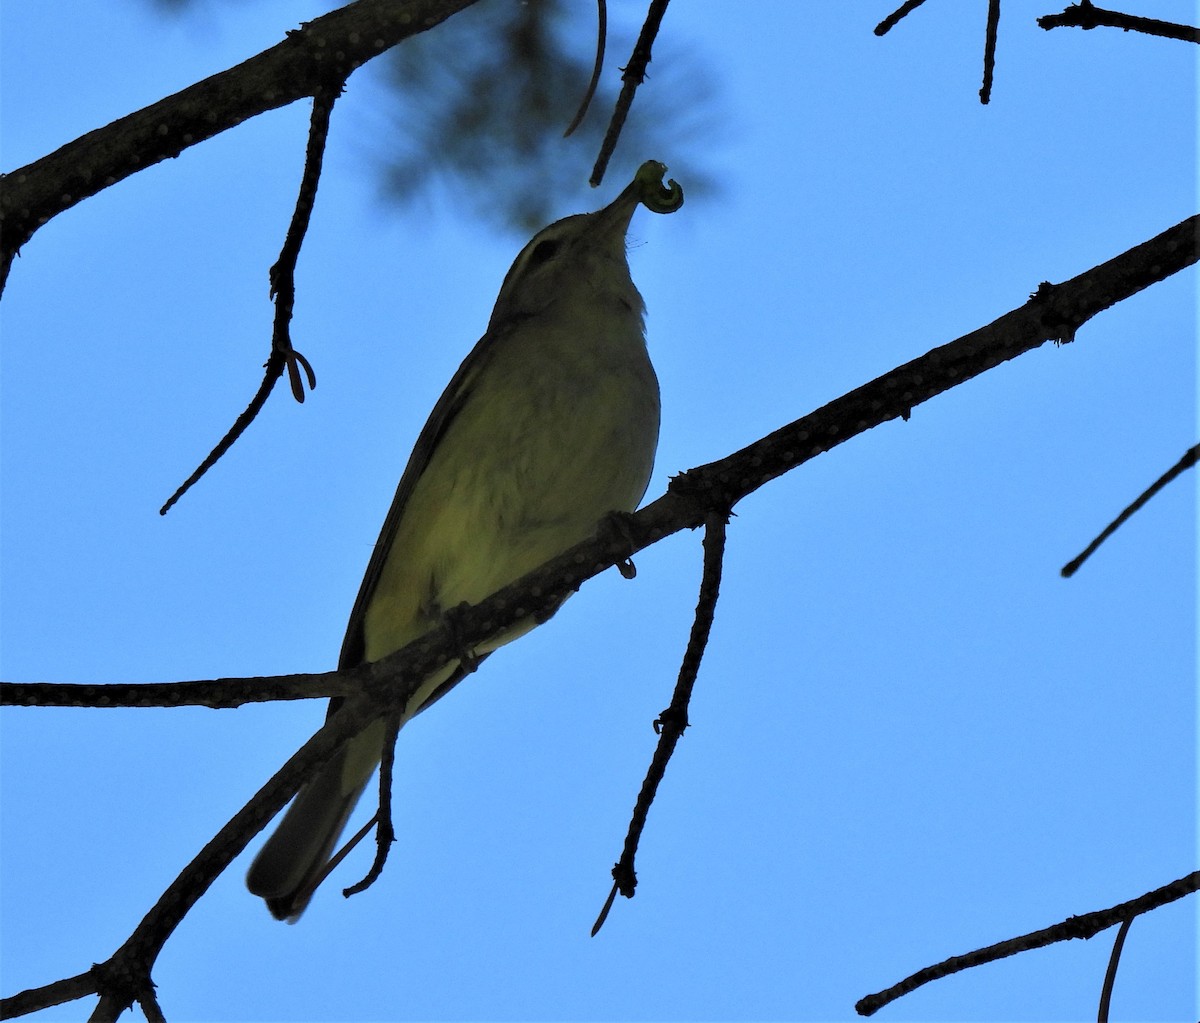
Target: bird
549	425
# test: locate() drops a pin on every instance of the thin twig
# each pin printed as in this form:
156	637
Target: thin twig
1085	926
272	370
305	892
671	723
283	273
283	291
1110	975
901	12
632	76
1186	462
989	51
601	36
1086	16
385	833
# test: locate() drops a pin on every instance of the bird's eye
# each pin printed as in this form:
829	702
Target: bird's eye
544	251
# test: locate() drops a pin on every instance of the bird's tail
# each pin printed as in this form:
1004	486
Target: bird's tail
292	863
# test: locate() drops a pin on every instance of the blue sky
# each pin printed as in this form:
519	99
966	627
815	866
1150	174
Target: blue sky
911	737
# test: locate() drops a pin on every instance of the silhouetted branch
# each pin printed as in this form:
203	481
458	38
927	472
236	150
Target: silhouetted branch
1186	462
283	291
1110	975
385	832
1085	15
899	14
219	693
601	37
1084	926
989	50
124	977
989	44
69	989
632	76
670	724
329	46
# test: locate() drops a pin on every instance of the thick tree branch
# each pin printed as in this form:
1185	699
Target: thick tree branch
318	53
1054	313
1086	16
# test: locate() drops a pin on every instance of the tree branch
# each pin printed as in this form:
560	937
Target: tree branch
1086	926
1084	15
989	51
898	15
125	976
283	291
218	693
326	49
670	724
1110	975
633	74
385	832
1188	460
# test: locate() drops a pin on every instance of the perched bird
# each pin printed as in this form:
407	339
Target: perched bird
549	425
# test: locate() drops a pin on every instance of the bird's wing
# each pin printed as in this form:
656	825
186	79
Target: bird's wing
444	412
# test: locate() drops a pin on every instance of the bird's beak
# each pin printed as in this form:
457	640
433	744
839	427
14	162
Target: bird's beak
613	220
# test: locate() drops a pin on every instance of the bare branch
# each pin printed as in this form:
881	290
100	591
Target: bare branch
1054	313
1086	16
69	989
633	76
1186	462
1085	926
601	37
898	15
219	693
283	291
328	48
989	51
671	723
385	832
148	1003
125	977
1110	975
